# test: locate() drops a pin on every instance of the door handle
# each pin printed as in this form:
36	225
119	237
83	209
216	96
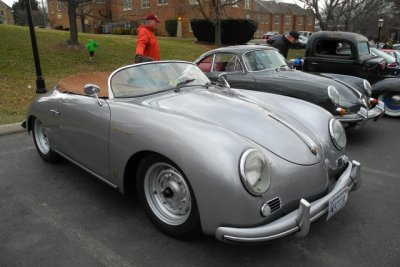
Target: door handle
55	112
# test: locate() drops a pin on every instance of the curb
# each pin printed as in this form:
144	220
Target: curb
11	128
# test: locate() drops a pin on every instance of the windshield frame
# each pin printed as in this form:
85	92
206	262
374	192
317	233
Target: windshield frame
154	77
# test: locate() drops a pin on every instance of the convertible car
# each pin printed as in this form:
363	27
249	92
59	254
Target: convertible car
241	165
263	68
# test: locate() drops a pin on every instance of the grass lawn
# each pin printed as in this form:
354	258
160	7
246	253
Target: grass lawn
17	68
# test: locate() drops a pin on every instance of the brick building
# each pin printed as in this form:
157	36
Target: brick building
6	15
101	16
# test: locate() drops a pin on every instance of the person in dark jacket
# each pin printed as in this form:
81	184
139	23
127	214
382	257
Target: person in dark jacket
284	42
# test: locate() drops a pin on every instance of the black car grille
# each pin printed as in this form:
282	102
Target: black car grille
274	204
340	162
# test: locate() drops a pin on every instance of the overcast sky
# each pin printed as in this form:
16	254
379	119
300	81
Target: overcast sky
10	2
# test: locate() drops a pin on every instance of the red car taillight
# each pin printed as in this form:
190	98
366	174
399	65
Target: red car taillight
392	65
382	65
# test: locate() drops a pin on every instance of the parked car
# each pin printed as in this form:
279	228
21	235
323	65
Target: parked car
392	66
349	53
394	53
243	166
263	68
300	43
305	33
267	35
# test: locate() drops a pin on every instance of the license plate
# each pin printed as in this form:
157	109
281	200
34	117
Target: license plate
337	202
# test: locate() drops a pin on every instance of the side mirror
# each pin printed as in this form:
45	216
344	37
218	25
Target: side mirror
91	89
222	79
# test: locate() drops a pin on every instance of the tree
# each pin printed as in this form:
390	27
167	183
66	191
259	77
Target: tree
217	7
20	15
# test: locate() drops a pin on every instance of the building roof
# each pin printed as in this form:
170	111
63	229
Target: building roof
4	4
278	8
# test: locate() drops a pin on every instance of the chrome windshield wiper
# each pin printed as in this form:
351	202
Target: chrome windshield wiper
179	85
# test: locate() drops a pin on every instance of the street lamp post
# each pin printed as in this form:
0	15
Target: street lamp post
380	24
40	86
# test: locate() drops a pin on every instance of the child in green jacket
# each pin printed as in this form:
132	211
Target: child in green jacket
91	46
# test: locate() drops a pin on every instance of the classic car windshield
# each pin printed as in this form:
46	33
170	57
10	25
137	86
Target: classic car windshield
263	59
363	48
154	77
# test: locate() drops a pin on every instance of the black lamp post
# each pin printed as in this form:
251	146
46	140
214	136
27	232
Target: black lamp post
40	86
380	24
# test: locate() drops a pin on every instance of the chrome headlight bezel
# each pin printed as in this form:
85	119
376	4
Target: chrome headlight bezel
333	95
337	133
367	87
255	172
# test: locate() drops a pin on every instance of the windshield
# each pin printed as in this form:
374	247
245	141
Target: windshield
363	48
155	77
386	57
263	59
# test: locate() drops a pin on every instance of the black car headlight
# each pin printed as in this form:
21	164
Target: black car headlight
367	87
337	133
254	172
333	95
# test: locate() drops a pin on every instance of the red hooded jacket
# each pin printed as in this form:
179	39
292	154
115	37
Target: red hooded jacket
147	44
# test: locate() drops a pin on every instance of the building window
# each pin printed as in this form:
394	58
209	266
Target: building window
59	5
277	20
233	3
300	20
287	20
309	21
145	3
193	2
162	2
267	20
247	4
127	4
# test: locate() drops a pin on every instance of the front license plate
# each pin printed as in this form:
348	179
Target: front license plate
337	202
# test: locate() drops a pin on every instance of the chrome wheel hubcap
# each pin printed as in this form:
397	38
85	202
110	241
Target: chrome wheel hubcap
41	137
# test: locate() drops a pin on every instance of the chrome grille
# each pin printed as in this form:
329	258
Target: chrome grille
341	161
274	204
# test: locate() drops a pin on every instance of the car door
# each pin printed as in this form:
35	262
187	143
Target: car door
334	56
82	131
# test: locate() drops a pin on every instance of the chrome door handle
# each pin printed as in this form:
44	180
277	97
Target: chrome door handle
55	112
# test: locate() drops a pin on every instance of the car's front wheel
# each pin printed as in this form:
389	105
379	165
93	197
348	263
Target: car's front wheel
42	142
392	103
167	197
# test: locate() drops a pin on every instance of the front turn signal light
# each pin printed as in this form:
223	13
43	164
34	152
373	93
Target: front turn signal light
373	101
341	111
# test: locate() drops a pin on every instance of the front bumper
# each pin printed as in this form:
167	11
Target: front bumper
363	115
298	220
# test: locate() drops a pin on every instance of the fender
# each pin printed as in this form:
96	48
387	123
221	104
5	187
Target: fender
385	86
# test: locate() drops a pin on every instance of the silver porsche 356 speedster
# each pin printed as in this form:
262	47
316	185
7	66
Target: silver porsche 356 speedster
241	165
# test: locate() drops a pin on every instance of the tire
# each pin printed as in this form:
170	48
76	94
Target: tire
392	103
167	198
42	142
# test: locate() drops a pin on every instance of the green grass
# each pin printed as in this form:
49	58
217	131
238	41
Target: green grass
17	68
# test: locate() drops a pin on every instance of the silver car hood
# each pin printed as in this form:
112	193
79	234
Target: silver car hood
278	133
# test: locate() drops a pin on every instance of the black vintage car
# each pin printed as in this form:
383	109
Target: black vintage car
349	53
263	68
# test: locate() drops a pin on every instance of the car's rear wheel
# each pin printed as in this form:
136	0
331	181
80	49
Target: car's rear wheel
392	103
167	197
42	142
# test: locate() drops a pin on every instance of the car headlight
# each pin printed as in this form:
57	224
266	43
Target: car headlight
333	95
337	133
367	87
254	172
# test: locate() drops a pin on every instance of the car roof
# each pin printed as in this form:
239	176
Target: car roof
351	36
243	48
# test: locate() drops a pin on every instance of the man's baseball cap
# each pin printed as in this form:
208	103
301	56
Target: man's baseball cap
294	34
151	16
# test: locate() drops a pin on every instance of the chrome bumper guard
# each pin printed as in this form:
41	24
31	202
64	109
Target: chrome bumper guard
377	112
298	220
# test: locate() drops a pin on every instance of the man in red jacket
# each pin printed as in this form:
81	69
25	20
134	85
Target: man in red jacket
147	48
